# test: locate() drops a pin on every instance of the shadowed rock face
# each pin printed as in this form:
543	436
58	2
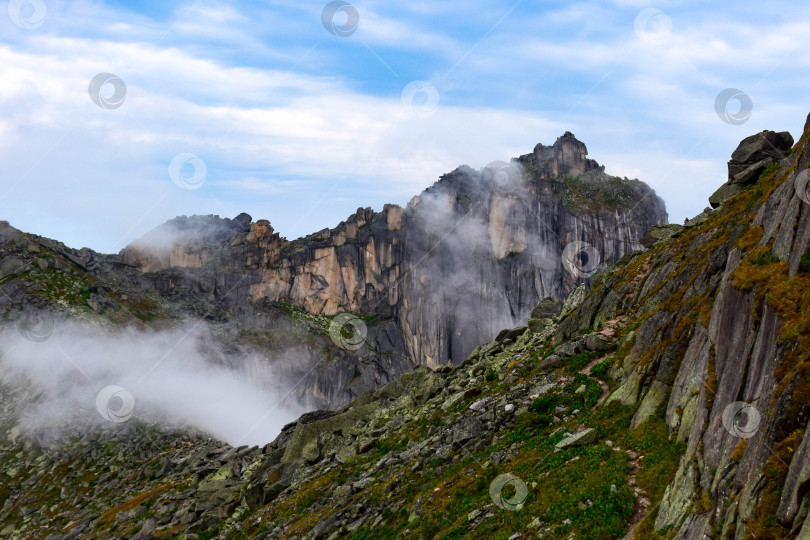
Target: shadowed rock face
474	253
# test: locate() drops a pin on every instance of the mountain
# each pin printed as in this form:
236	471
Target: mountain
665	397
471	255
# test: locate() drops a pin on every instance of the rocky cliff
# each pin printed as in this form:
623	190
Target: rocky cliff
420	285
471	255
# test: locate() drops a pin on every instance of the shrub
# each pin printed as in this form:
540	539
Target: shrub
764	258
544	404
580	360
601	369
544	420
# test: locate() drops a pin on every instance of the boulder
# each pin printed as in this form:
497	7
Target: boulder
577	439
548	308
538	325
751	172
311	453
469	428
11	265
596	343
724	193
659	232
510	334
755	153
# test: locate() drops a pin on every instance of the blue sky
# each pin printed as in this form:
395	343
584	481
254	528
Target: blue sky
299	126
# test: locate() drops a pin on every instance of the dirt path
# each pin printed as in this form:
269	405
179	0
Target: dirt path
609	331
605	388
642	501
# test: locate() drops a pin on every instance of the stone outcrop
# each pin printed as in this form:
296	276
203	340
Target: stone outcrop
755	153
583	438
567	157
658	233
752	156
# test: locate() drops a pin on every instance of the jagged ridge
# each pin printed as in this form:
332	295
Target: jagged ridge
611	414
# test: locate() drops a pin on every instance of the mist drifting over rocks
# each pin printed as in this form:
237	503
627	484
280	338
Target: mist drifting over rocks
81	378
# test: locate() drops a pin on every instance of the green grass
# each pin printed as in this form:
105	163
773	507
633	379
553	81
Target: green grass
579	361
601	369
770	170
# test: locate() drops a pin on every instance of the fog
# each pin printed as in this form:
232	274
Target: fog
78	378
483	253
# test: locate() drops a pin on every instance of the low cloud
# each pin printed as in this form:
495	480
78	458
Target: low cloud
178	378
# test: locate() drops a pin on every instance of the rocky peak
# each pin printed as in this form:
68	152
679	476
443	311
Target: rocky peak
567	157
752	157
755	153
474	253
184	241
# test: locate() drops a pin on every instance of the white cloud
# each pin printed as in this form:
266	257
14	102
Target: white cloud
318	140
169	380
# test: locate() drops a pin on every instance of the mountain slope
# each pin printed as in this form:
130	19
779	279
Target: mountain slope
670	401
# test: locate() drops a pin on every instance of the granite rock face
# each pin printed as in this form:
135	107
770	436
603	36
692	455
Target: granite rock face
472	254
718	349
